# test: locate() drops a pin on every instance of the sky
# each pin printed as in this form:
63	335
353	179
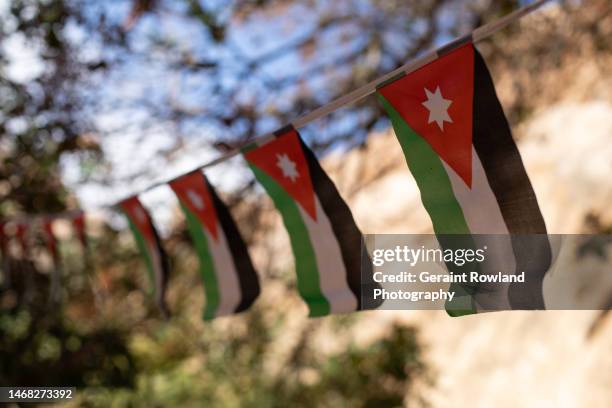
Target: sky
133	154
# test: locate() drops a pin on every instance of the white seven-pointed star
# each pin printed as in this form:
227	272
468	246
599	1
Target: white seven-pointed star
438	107
195	199
287	166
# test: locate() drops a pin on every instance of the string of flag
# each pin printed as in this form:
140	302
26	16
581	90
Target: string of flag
457	144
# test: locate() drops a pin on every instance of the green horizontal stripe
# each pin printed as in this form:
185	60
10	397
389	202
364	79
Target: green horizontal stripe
436	194
144	251
430	175
207	268
308	280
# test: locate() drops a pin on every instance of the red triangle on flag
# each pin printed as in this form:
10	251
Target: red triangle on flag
50	236
191	189
284	161
436	102
21	234
139	216
3	240
78	223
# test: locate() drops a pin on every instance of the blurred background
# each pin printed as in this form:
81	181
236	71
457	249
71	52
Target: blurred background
100	99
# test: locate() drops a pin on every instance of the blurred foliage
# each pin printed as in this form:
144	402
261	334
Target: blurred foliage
109	343
260	64
226	72
40	117
235	68
235	374
46	343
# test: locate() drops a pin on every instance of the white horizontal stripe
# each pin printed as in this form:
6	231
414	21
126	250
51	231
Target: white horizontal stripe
225	269
479	204
483	216
157	270
332	271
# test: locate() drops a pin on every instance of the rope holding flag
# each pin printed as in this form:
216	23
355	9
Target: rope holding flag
371	87
321	226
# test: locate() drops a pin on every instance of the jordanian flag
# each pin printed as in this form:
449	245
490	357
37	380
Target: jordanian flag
459	148
78	223
231	284
22	239
326	243
6	272
149	243
51	240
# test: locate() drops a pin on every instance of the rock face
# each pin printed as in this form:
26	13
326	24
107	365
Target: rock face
509	359
568	153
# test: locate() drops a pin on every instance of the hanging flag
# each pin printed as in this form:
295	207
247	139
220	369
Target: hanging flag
50	239
80	231
459	148
150	247
326	243
22	238
6	272
231	284
78	223
56	276
3	239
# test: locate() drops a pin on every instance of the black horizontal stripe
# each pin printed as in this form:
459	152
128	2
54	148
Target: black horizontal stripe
249	281
160	292
510	184
348	235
